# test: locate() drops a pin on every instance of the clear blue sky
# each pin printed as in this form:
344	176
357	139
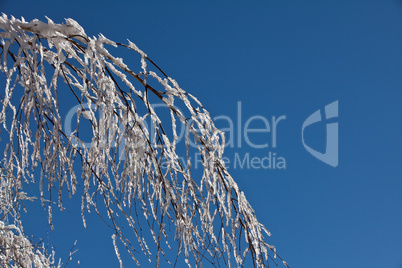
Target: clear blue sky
277	58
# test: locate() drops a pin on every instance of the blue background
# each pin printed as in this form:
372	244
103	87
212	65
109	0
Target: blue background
278	58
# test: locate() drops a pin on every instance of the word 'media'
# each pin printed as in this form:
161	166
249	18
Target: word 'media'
247	161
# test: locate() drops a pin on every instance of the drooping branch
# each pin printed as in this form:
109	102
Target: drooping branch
136	165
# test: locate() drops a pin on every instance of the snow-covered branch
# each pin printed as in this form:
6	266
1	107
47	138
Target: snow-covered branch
144	184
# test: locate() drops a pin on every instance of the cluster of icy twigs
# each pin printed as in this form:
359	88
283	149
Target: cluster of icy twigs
211	219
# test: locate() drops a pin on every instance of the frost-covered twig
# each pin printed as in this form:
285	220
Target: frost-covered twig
17	251
137	169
